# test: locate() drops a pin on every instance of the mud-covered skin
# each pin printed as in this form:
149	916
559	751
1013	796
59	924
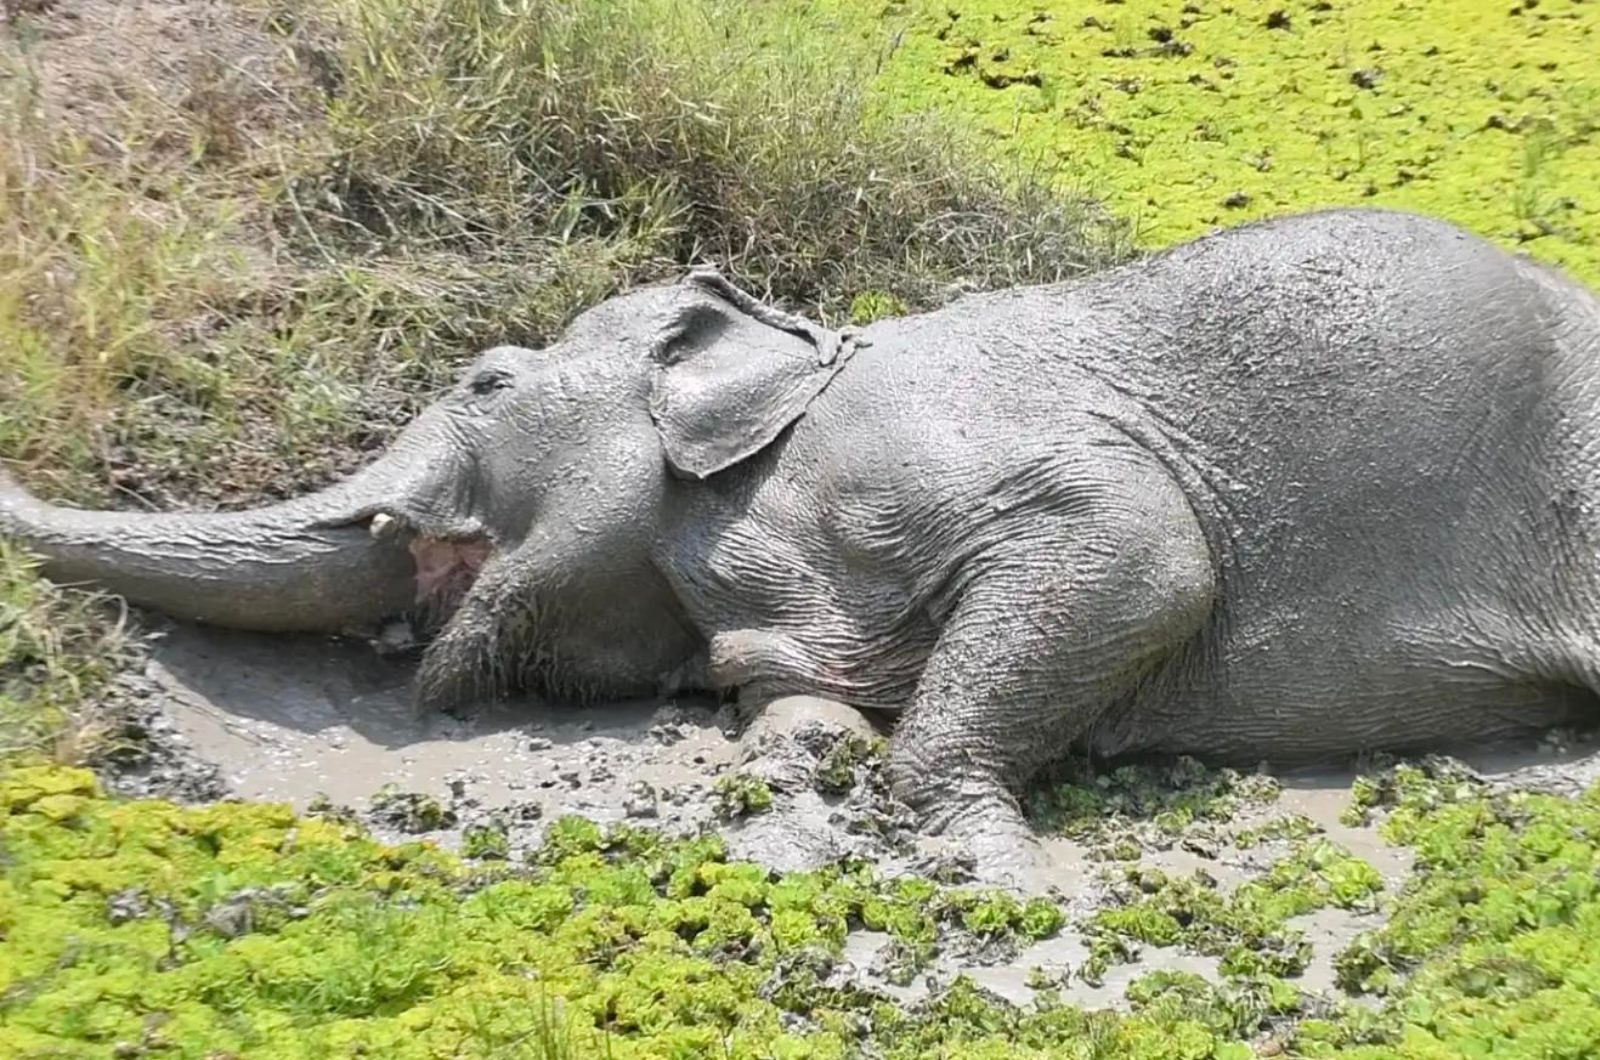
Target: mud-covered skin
1311	486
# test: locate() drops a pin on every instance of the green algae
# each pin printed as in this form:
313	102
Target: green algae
1247	928
1189	115
740	794
146	929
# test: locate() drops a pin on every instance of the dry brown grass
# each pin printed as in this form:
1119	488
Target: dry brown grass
60	649
239	245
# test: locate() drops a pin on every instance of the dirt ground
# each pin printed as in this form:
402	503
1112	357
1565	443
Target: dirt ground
313	721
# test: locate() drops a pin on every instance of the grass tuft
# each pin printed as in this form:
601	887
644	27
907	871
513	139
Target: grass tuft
59	652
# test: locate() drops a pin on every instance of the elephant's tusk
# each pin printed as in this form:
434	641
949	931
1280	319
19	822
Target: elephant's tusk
383	525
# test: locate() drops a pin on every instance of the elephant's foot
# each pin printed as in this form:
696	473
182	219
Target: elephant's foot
789	742
818	757
986	841
791	837
755	658
806	748
766	665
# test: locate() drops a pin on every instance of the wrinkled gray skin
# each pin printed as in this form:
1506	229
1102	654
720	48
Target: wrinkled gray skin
1321	484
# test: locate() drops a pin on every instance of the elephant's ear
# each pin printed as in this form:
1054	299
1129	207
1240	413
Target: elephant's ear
732	373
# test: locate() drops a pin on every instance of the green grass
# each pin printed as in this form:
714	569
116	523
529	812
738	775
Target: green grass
1185	116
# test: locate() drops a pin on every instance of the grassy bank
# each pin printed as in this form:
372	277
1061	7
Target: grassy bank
1185	116
239	245
60	650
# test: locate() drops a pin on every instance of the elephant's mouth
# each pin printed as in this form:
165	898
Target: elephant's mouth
446	568
447	562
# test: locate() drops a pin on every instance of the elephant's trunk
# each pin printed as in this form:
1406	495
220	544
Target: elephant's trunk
313	563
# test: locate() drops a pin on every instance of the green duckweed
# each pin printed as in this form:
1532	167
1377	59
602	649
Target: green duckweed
141	928
1247	928
1114	810
1494	949
741	794
1188	115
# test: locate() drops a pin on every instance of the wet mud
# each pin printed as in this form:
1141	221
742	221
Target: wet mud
328	726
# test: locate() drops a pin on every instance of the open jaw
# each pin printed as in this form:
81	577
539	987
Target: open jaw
469	655
447	563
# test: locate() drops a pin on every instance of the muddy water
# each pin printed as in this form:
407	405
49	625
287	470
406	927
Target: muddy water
291	718
1320	796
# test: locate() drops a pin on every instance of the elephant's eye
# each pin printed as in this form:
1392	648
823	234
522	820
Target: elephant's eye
490	380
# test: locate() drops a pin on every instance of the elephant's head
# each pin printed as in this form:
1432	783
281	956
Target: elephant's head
518	515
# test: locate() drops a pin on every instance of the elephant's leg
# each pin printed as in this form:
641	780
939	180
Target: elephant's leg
1048	631
764	662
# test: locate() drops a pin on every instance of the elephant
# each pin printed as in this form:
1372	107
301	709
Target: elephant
1300	488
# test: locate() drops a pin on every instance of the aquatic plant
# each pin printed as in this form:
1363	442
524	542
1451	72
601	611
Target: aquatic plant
1122	810
143	928
740	794
1494	948
1186	116
1247	927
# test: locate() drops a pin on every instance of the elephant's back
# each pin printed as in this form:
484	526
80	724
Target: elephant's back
1339	348
1368	374
1354	371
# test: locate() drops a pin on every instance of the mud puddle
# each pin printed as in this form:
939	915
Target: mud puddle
306	719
